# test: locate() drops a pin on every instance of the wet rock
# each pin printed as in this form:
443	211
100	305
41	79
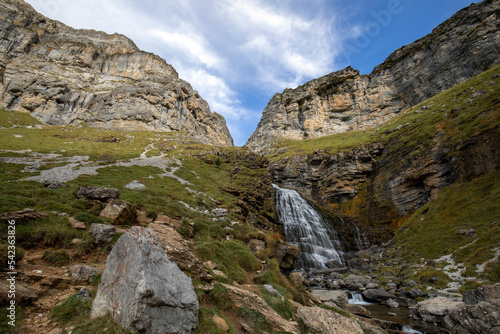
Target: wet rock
435	309
324	321
334	264
413	294
119	212
178	251
83	272
338	297
377	295
405	302
357	310
391	303
143	290
355	282
102	233
98	193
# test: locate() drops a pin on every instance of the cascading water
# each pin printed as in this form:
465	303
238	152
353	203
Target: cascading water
362	243
307	229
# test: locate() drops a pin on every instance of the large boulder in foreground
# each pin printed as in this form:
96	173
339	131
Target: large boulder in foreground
143	290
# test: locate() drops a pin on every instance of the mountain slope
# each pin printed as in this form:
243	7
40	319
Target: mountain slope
66	76
463	46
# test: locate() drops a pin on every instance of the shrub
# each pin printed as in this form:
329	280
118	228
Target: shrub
70	309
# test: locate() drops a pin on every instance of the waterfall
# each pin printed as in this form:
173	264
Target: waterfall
357	299
362	244
307	229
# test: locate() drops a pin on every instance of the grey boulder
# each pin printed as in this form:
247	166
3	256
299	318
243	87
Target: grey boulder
143	290
98	193
102	233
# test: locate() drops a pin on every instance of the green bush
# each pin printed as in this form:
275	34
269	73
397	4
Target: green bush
70	309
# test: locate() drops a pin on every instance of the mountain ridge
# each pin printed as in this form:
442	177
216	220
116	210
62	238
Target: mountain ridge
463	46
65	76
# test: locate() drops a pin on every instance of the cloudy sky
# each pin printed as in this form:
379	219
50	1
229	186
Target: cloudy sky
239	53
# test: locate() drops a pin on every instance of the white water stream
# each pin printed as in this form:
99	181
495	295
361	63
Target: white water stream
305	228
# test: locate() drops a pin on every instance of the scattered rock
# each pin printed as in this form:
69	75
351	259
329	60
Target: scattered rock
83	294
97	193
271	290
23	216
357	310
219	273
435	309
256	245
102	233
178	251
142	218
83	272
355	282
405	302
220	323
210	264
77	224
135	185
119	212
413	294
391	303
338	297
76	241
334	264
219	212
143	290
327	322
377	295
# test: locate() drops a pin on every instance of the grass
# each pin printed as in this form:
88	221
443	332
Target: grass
432	230
232	257
75	312
256	320
206	324
56	257
279	303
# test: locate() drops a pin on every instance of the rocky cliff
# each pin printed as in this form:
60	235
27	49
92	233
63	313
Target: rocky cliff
382	175
458	49
65	76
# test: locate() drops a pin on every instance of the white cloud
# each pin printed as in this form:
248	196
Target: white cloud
224	48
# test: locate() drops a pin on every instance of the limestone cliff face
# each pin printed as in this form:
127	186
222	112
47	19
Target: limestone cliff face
458	49
66	76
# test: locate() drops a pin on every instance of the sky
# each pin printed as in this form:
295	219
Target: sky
238	53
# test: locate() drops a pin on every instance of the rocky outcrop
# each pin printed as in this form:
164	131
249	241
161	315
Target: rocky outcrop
143	290
324	321
435	309
178	251
119	212
482	318
98	193
249	300
458	49
483	293
64	76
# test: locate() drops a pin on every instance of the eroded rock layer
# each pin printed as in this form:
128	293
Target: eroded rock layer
66	76
458	49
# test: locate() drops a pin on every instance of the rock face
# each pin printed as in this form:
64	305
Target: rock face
65	76
178	251
458	49
143	290
482	318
